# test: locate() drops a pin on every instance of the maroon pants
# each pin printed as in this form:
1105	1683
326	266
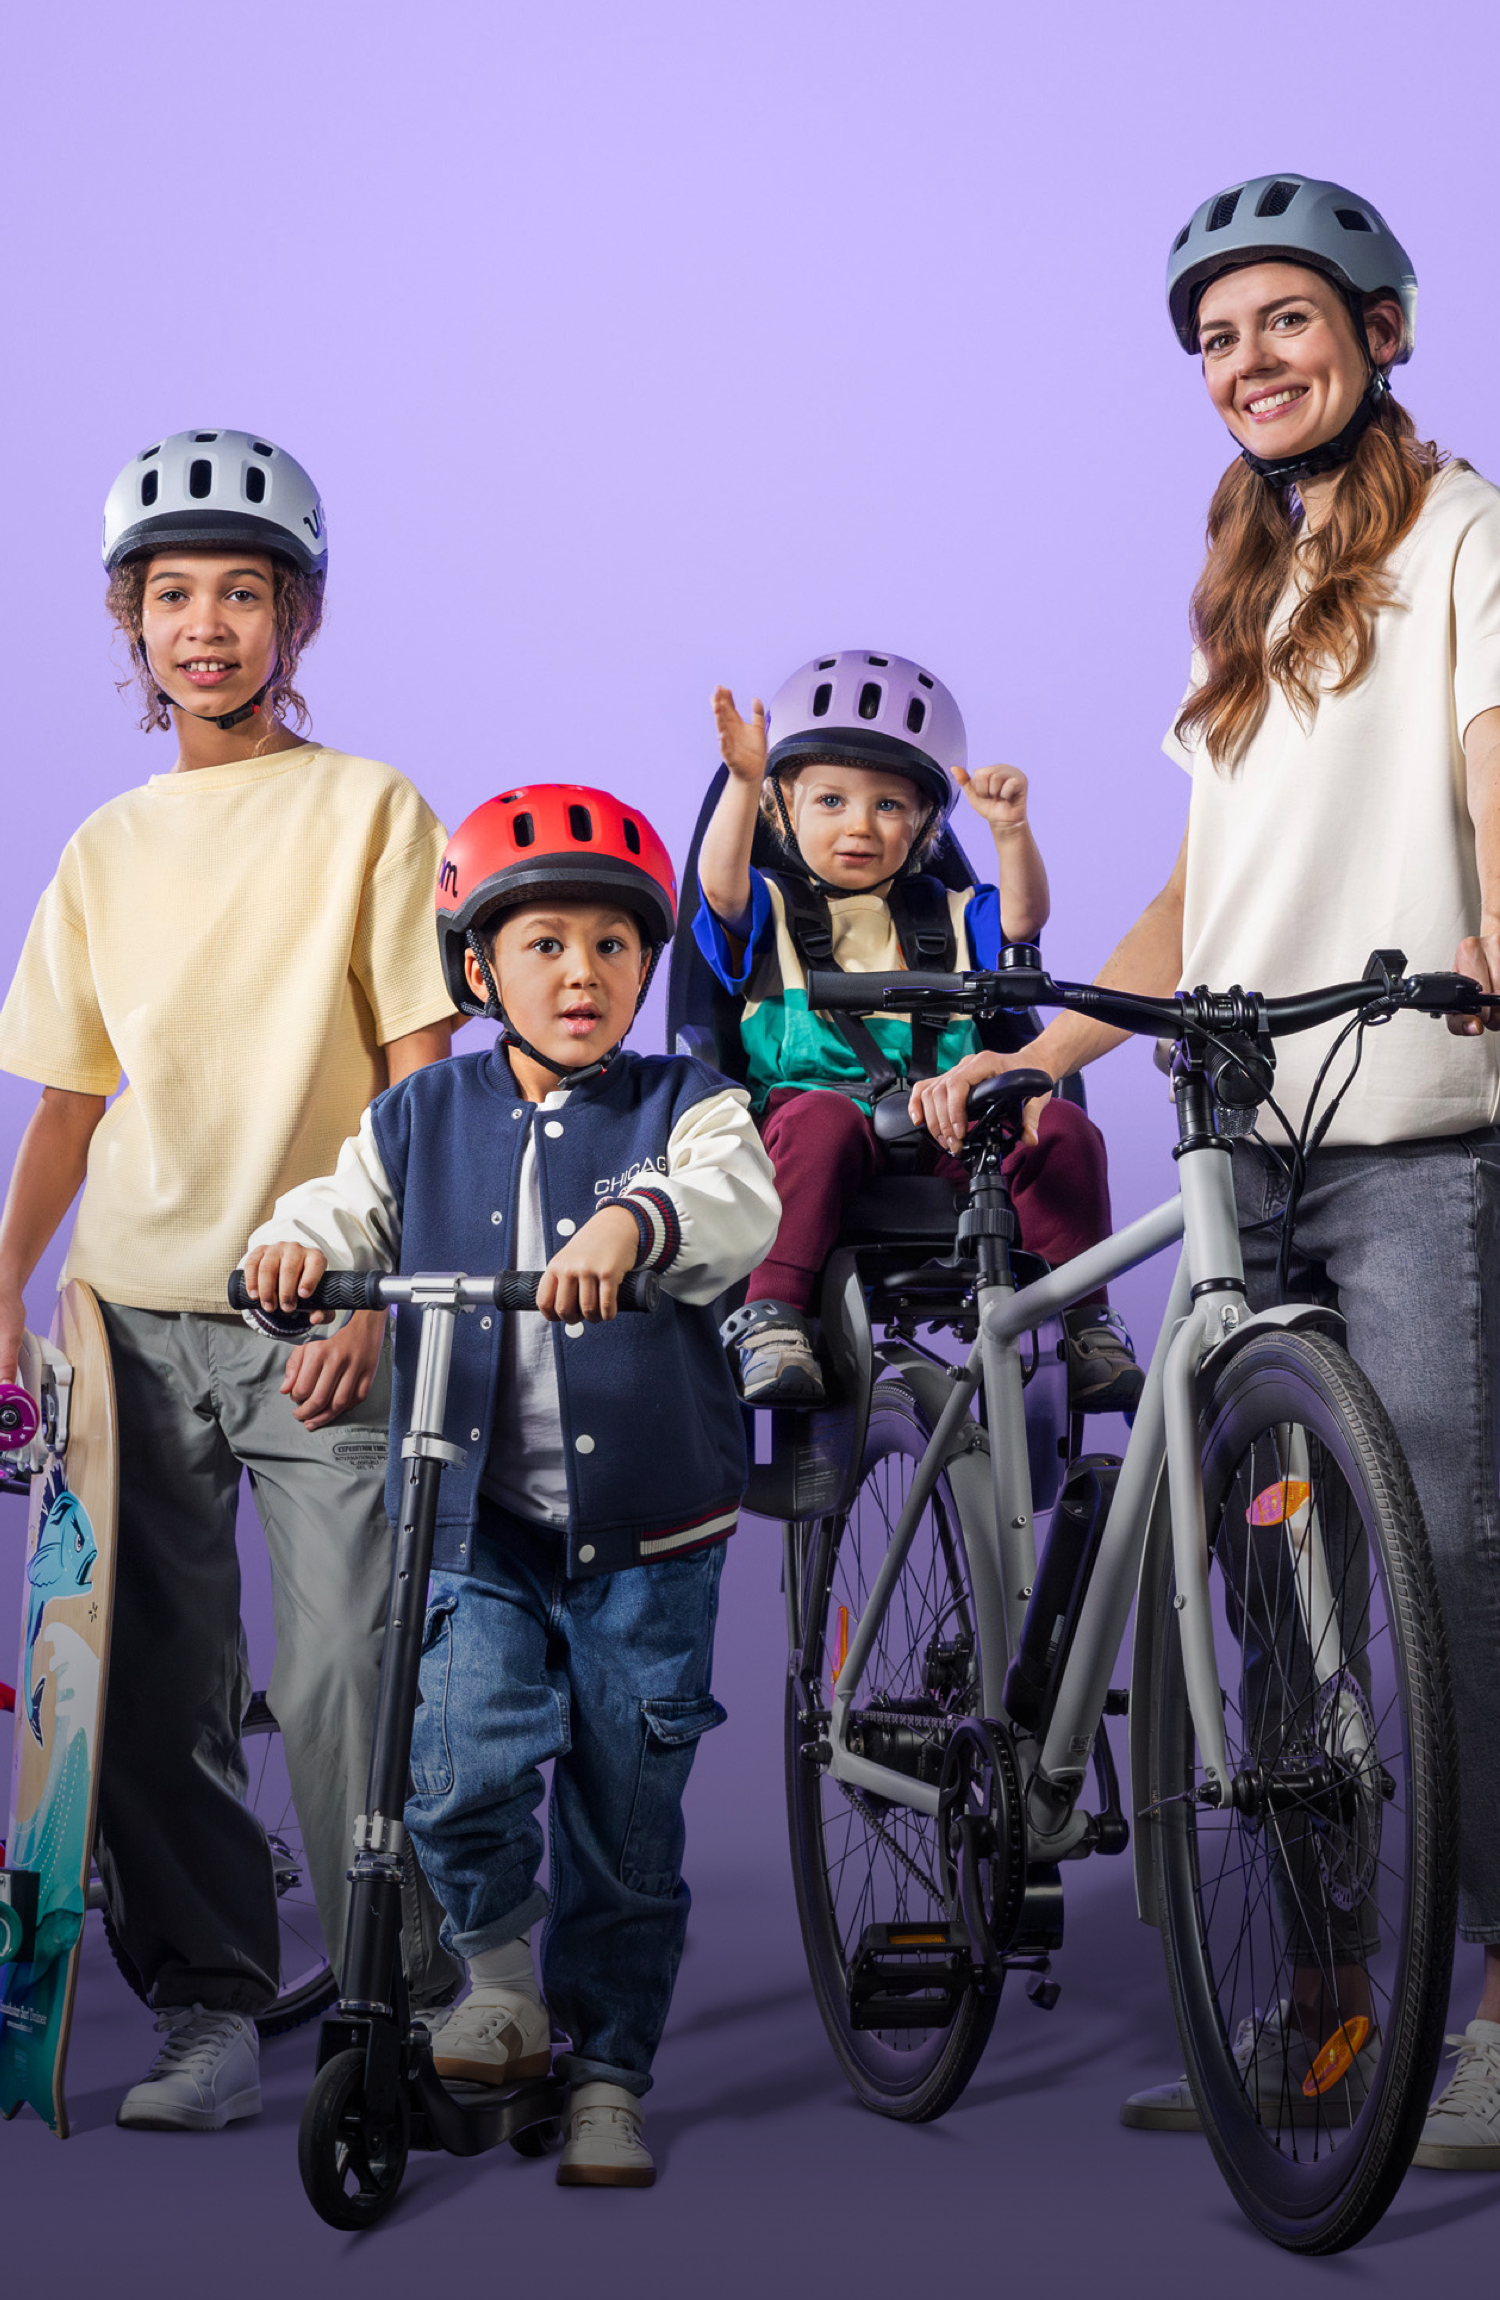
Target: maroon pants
824	1149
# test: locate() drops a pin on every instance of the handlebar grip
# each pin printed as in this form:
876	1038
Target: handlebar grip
516	1290
335	1290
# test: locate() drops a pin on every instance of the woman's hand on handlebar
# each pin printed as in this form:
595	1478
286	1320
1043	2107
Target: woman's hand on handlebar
1479	958
281	1276
942	1104
582	1280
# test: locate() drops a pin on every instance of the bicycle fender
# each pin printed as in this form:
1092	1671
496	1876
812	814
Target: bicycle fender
1285	1318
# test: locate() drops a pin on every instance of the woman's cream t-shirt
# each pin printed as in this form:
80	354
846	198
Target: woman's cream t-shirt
1351	833
239	942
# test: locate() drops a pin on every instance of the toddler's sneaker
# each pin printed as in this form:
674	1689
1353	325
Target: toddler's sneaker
1462	2132
1272	2058
205	2075
773	1345
602	2143
496	2036
1103	1377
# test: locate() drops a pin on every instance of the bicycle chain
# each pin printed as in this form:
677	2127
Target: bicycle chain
856	1799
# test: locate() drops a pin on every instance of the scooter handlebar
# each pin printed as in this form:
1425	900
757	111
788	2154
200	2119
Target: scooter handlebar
379	1290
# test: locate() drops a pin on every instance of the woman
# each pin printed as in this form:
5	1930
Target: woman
1342	732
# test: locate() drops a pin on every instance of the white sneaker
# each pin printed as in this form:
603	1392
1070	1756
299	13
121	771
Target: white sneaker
496	2036
602	2143
772	1346
1273	2061
205	2076
1462	2132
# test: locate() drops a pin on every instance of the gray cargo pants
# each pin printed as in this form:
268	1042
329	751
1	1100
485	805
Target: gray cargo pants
1404	1239
184	1863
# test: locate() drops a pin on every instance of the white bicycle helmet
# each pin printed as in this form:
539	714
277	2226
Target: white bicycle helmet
208	488
1290	219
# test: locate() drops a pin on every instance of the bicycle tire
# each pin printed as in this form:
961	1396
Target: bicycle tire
307	1983
912	2074
1340	1859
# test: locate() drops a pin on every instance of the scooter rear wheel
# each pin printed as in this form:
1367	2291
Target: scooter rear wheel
352	2166
537	2139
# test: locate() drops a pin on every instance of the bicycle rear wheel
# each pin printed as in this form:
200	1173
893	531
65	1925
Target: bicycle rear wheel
1308	1922
858	1861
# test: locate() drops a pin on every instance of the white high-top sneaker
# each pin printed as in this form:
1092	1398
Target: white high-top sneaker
496	2036
602	2142
205	2076
1462	2132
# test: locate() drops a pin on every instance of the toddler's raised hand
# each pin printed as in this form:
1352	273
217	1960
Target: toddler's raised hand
742	742
997	793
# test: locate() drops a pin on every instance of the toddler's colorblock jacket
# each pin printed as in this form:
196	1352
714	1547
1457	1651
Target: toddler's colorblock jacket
637	1420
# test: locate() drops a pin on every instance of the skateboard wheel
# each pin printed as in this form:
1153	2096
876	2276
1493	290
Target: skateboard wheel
19	1418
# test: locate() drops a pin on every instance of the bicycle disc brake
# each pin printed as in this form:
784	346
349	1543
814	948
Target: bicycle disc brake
982	1838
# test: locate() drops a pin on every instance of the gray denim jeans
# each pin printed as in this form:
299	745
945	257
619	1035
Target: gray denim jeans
1404	1240
184	1863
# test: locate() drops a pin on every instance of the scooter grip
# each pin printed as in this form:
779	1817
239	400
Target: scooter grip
336	1290
516	1290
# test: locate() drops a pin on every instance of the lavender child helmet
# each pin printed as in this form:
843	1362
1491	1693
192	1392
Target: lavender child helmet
870	710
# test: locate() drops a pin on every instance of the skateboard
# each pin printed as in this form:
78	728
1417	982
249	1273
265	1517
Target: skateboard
61	1676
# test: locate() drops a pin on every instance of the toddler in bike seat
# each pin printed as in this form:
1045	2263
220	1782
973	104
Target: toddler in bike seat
856	767
580	1535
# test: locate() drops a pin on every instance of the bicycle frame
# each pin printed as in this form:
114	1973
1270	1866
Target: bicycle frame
1205	1314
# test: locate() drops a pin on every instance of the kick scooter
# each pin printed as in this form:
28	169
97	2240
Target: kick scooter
376	2094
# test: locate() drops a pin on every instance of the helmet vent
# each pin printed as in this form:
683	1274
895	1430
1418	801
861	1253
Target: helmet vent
1222	211
923	680
882	662
149	485
1181	240
916	713
632	834
581	824
822	697
200	477
1353	220
869	699
828	662
205	438
255	484
1277	197
261	448
147	452
523	830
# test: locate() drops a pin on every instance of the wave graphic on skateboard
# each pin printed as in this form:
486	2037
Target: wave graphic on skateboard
62	1567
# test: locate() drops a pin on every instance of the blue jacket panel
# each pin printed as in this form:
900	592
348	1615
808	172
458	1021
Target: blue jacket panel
653	1437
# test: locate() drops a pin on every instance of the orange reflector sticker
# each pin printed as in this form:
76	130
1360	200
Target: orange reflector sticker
916	1937
1279	1502
1337	2057
841	1643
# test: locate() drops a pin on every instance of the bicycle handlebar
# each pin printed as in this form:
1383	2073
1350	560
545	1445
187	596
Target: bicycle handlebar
379	1290
1016	988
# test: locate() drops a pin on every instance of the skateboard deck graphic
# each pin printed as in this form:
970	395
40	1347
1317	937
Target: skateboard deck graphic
60	1686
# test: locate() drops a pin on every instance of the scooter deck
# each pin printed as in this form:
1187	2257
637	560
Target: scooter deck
61	1680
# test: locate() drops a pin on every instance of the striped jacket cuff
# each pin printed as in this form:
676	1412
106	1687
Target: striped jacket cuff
659	1224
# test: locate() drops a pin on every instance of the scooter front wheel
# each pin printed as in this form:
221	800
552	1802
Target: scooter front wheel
352	2163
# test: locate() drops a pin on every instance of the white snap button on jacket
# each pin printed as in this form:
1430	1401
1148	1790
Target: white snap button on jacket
515	1114
572	1332
485	1324
584	1444
553	1127
586	1554
497	1217
565	1228
473	1437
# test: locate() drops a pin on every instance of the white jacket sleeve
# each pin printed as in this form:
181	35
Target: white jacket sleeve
714	1214
350	1216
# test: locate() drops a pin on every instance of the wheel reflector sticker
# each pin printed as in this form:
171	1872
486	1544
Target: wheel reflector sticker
1337	2057
1280	1501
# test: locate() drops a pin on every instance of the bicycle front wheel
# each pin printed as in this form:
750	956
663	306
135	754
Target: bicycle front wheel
861	1862
1308	1919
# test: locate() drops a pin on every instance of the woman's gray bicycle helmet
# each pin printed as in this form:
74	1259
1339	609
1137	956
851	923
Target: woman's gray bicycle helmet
211	488
1302	220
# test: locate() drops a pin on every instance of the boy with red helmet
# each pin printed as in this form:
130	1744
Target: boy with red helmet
572	1601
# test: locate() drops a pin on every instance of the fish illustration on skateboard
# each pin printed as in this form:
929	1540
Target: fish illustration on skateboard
63	1668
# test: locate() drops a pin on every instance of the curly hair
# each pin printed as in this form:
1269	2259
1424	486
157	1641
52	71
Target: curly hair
1254	540
297	601
922	846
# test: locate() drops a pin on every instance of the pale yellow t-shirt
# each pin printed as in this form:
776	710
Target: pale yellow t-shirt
239	942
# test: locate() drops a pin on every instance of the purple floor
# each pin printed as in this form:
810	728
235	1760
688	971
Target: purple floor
768	2171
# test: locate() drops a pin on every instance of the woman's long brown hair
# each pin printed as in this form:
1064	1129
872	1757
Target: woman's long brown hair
1252	542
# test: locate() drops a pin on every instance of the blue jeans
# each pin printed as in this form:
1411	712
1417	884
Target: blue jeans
609	1677
1404	1239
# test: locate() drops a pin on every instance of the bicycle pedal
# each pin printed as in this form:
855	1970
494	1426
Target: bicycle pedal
1044	1994
909	1976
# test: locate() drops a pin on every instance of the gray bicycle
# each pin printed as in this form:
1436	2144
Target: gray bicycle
1293	1763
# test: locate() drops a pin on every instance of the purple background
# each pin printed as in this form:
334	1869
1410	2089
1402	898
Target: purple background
634	349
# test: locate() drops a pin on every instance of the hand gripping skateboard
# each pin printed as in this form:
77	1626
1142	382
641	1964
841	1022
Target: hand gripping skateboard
59	1697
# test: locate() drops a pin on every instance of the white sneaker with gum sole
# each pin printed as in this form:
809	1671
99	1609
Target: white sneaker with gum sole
602	2142
496	2036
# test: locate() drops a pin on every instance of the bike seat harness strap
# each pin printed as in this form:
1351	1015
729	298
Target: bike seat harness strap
923	921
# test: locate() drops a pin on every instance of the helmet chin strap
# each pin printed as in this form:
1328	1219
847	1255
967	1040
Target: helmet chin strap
824	885
224	719
574	1073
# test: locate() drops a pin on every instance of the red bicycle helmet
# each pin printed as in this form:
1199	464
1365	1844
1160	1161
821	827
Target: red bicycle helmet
563	839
